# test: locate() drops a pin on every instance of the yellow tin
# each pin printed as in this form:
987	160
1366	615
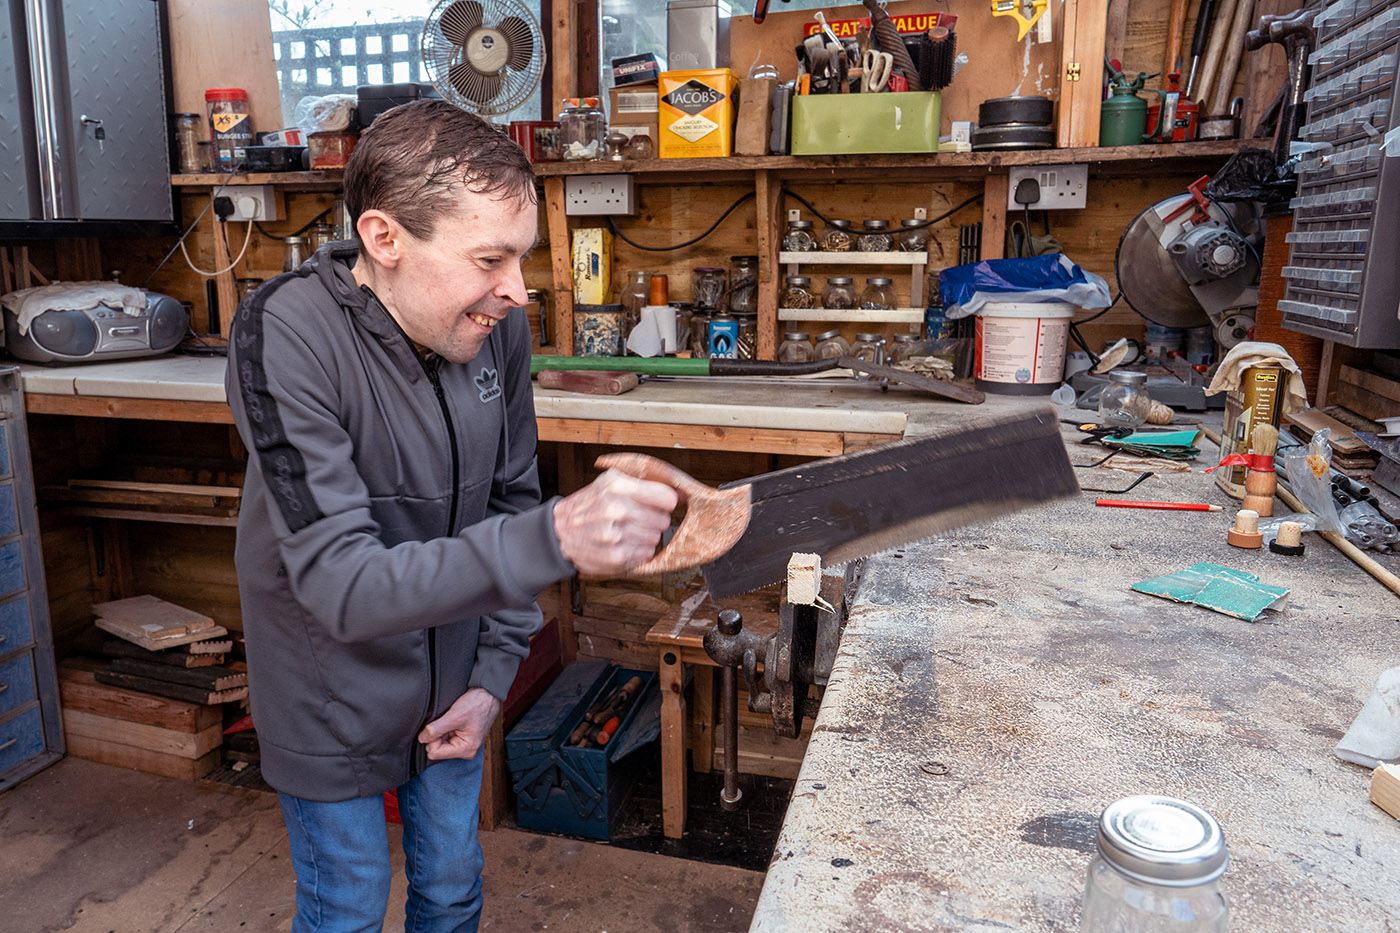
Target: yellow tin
592	260
697	111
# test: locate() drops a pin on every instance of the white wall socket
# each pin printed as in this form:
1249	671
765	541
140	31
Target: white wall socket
1062	187
598	195
253	202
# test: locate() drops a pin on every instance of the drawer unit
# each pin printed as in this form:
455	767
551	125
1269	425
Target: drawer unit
1348	200
31	730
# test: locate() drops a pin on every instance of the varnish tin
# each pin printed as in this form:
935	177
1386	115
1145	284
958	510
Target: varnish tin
697	113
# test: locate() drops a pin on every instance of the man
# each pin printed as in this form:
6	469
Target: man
392	540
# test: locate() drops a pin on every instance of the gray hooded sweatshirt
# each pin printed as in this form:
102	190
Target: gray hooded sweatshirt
391	541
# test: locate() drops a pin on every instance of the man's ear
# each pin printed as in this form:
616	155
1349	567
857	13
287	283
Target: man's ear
382	237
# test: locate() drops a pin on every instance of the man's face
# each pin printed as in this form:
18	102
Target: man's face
451	289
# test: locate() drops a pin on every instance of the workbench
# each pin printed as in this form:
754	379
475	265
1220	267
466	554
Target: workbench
997	687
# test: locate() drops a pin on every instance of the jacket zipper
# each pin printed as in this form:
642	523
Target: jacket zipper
433	377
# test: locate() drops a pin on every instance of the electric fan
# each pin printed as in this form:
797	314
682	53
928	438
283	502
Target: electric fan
486	56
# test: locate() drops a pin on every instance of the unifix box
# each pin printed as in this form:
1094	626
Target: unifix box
635	69
592	255
1258	400
697	113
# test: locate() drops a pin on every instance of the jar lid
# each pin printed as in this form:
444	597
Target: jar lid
1128	377
828	334
868	338
799	280
839	280
913	222
681	305
875	224
226	93
839	224
708	270
797	335
597	309
800	224
186	116
293	240
906	338
1162	840
743	259
878	280
580	102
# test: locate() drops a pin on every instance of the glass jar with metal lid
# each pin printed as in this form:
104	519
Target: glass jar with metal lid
1124	402
830	344
905	346
796	347
707	285
743	285
294	254
748	337
187	133
839	294
582	128
869	347
875	237
913	235
878	294
1157	866
838	237
799	237
798	293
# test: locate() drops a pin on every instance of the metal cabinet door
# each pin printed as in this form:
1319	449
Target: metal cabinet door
19	196
115	75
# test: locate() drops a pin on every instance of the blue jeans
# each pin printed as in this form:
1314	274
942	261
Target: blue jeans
341	855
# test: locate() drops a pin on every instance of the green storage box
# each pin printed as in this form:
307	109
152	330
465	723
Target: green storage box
845	124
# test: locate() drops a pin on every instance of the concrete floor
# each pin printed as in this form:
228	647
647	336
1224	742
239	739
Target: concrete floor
90	848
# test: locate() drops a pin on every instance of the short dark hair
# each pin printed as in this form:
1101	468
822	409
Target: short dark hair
411	161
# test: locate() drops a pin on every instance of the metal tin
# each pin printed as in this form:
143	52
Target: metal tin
724	337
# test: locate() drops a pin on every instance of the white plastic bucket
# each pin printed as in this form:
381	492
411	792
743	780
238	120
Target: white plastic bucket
1021	346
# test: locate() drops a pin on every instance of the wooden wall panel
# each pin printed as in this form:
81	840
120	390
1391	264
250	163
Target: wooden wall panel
189	566
224	43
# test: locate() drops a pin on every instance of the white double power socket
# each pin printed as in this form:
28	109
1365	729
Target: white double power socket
1062	187
252	202
599	195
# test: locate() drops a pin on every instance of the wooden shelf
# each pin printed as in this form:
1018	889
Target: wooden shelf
1124	159
323	180
170	503
856	315
853	258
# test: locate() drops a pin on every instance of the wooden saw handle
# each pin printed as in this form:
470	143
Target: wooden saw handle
714	519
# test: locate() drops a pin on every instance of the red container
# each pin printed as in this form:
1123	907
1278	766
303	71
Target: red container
330	150
539	139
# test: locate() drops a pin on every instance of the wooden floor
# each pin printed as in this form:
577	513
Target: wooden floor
90	848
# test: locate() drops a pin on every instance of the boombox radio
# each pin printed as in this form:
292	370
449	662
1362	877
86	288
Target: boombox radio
98	334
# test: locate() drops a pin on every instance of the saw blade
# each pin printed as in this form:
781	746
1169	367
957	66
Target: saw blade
860	504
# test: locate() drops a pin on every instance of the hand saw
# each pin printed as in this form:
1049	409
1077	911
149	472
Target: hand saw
857	504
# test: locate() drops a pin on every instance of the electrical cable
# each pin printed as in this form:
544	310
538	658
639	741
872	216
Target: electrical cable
238	170
248	237
305	227
691	242
925	223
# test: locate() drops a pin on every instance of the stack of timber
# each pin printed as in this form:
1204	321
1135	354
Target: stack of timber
179	503
613	625
154	630
131	729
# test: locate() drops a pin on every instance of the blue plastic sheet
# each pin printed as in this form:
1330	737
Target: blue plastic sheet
1047	278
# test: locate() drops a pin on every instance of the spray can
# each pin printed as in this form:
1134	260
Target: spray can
724	337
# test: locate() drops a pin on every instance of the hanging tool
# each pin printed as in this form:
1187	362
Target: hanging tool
875	67
1013	8
1298	36
1199	37
858	504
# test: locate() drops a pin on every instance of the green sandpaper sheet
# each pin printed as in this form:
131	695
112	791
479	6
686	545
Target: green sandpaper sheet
1233	592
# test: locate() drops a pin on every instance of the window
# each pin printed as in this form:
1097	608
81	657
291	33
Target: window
354	42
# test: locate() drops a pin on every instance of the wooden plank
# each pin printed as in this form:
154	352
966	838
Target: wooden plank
182	489
994	214
563	53
211	679
140	759
170	518
167	689
674	776
699	437
79	690
148	409
704	718
495	777
155	617
1116	30
770	224
561	264
119	497
1370	395
852	440
224	43
143	736
1385	788
172	657
1223	82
